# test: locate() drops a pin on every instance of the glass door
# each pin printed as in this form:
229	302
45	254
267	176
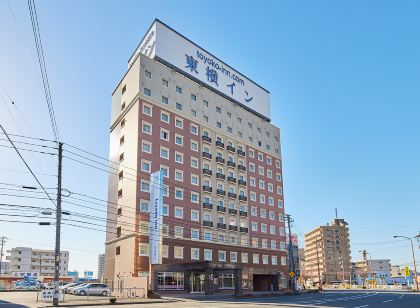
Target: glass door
197	282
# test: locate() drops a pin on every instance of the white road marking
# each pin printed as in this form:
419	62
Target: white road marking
361	306
390	300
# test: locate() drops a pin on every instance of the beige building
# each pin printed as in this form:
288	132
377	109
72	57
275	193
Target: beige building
328	248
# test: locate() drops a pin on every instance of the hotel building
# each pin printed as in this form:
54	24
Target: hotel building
181	110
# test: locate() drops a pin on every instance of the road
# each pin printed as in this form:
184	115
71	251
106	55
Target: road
336	299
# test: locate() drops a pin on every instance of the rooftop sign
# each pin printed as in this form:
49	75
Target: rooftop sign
166	45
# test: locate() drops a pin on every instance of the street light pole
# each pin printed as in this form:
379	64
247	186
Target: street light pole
414	258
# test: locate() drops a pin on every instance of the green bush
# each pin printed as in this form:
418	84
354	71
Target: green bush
112	300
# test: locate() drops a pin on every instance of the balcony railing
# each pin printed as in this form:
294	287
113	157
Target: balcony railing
221	225
243	229
232	195
230	148
207	223
241	153
220	144
243	198
207	155
220	160
233	211
221	209
206	138
207	205
221	192
233	228
243	213
220	176
231	164
231	179
207	171
207	188
241	167
242	182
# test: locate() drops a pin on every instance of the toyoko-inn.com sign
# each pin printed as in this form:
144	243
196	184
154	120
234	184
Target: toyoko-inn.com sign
162	42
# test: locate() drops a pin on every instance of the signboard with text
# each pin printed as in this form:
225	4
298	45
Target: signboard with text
156	204
164	43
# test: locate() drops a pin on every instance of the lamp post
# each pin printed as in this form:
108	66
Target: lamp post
414	258
368	264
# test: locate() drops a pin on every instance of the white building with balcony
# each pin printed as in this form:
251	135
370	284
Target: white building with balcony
26	261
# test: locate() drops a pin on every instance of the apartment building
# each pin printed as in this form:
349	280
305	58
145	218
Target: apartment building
327	253
206	127
26	261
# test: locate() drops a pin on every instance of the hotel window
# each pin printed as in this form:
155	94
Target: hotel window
272	215
269	173
179	232
244	257
273	244
281	231
179	157
229	115
124	88
179	140
165	251
221	237
277	164
145	165
193	113
195	253
165	210
164	152
193	97
262	199
229	129
178	106
165	230
278	177
179	212
179	123
260	156
281	217
122	123
194	146
249	125
240	134
254	226
259	129
117	251
194	163
280	204
164	134
178	90
206	103
144	206
283	260
165	171
270	201
146	146
282	246
264	243
218	110
207	216
222	256
272	229
279	190
144	249
164	117
270	187
164	83
165	100
268	160
194	179
263	228
208	255
265	259
147	92
122	140
219	125
267	147
256	258
195	234
194	198
251	167
252	181
195	215
251	153
147	128
179	193
233	257
263	213
122	106
145	186
260	170
274	260
194	129
261	184
147	109
239	120
207	235
178	252
253	196
206	119
254	242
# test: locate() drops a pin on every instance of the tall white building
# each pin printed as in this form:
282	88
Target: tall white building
101	266
26	261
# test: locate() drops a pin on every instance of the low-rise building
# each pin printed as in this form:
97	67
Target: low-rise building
374	271
26	261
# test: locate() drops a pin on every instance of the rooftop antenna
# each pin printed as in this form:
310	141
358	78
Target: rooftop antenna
336	213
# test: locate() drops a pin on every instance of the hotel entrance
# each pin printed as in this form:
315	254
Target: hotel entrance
197	282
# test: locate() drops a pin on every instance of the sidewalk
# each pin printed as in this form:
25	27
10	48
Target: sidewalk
120	301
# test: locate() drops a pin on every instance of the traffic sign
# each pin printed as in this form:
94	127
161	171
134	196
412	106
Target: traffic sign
291	274
407	271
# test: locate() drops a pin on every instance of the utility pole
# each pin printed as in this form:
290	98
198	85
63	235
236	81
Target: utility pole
291	255
58	228
3	241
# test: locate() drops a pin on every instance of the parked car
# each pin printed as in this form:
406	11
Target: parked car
92	289
70	290
64	288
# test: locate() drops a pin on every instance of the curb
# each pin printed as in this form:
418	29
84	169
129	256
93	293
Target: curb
109	304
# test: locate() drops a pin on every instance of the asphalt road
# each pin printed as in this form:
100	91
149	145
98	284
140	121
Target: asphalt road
336	299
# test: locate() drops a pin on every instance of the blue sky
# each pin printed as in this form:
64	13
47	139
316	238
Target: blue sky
343	77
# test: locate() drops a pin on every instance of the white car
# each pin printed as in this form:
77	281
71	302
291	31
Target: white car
92	289
70	290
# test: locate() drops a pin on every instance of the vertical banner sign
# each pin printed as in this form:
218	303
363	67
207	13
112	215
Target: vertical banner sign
156	204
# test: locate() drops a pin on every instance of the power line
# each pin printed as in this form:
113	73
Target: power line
42	66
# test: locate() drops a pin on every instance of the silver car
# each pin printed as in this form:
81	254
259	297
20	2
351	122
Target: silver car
92	289
70	290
